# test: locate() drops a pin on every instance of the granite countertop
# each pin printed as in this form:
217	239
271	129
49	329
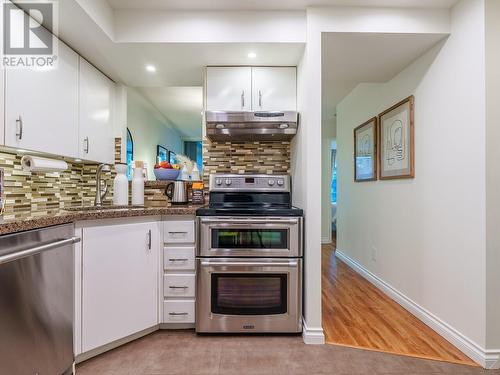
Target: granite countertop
22	221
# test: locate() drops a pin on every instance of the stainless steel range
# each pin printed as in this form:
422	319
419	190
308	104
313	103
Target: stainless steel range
249	256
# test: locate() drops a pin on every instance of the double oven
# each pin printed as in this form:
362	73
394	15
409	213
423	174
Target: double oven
249	257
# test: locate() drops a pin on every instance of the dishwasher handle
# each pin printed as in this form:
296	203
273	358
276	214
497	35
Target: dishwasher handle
38	249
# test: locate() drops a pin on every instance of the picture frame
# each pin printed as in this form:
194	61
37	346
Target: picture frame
365	151
397	141
171	157
161	154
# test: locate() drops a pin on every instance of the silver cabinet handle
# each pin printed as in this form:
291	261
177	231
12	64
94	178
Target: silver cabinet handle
178	287
38	249
178	260
260	99
177	232
149	239
243	98
19	127
177	313
86	145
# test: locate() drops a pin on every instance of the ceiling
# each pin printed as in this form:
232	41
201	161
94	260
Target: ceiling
181	105
352	58
270	4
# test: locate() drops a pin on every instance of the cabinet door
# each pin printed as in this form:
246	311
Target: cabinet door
96	142
119	282
41	106
2	103
274	89
229	88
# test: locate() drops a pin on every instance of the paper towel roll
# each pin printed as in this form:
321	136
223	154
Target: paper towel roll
37	164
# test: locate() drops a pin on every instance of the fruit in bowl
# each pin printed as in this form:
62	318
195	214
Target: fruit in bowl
166	171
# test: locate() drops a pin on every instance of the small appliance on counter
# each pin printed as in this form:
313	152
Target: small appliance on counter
120	185
176	191
249	256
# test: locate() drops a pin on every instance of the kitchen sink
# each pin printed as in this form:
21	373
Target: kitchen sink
100	208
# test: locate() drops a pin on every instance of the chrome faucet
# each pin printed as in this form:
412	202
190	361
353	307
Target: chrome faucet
99	193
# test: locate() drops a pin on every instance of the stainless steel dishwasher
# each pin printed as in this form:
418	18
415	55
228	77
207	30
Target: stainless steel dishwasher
36	301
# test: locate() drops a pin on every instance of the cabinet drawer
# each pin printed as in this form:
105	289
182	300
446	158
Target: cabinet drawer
178	258
179	231
178	311
179	285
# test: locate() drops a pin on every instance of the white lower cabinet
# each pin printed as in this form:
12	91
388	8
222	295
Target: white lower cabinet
179	279
119	281
179	285
178	311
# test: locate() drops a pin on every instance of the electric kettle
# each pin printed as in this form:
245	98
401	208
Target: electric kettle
177	192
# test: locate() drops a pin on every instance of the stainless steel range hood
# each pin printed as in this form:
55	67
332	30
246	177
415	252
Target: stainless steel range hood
251	126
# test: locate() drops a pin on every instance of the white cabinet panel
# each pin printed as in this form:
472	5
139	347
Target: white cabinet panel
97	95
178	311
274	89
119	282
229	88
41	106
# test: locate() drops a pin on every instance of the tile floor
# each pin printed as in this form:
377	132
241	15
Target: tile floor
185	353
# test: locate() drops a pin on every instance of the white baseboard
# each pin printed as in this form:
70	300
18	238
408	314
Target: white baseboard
312	335
489	359
326	239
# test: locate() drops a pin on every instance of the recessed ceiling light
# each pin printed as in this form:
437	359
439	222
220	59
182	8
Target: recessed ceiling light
151	68
252	55
78	160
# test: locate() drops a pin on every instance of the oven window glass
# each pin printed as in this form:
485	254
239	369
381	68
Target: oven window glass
249	294
249	238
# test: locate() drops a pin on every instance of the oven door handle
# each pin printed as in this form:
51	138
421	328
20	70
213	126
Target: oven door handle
208	263
229	221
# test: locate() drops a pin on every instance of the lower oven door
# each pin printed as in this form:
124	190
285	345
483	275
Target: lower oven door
249	295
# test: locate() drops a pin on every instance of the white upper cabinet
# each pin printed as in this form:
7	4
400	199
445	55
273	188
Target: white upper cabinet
251	89
2	103
97	94
120	273
41	107
229	88
274	89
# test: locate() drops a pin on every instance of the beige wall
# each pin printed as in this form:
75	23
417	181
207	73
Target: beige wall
149	128
493	175
428	232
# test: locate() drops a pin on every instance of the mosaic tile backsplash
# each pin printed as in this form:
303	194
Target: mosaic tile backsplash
245	157
27	191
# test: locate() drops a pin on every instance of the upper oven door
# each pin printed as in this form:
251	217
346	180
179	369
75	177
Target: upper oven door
250	237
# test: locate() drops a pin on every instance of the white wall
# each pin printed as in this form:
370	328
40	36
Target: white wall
149	128
428	231
493	175
209	26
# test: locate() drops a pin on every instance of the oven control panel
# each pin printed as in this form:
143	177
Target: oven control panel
247	182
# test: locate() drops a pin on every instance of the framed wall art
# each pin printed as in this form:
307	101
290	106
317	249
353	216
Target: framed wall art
365	151
161	154
396	136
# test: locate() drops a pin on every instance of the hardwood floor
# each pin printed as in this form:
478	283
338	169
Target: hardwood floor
357	314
